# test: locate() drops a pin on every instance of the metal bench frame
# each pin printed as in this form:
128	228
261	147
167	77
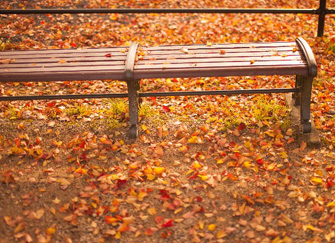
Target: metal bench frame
132	71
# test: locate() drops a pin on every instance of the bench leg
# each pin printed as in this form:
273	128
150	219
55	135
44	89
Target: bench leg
305	103
133	87
297	96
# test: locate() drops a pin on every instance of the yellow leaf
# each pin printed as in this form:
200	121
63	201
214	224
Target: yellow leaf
193	139
118	235
196	165
271	166
331	204
159	170
151	177
144	127
211	227
189	172
307	226
152	211
114	177
270	133
203	177
316	180
201	224
220	234
247	164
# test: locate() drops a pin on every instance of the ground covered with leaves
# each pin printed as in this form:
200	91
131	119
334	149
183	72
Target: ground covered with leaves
204	169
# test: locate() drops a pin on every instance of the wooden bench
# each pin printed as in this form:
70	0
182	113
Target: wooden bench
132	64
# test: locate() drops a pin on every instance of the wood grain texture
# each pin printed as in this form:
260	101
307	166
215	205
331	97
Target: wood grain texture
282	58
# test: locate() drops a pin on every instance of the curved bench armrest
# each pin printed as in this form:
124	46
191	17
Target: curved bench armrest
130	62
308	53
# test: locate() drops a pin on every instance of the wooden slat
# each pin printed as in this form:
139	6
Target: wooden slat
62	55
240	64
62	69
62	76
218	60
66	60
218	51
235	45
67	51
35	65
217	55
221	72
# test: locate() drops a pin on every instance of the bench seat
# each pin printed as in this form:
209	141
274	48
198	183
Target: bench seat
63	65
134	63
221	60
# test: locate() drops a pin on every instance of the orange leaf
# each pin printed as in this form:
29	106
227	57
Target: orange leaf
124	227
220	234
110	220
50	231
211	227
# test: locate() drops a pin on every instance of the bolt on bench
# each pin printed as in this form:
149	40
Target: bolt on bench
171	61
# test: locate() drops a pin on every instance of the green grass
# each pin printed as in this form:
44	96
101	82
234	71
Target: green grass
115	113
79	109
3	45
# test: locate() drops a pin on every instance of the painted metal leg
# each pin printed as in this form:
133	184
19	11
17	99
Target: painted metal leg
133	87
305	107
297	96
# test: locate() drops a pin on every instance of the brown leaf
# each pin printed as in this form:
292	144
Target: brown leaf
250	234
19	227
8	177
36	215
70	217
7	61
188	215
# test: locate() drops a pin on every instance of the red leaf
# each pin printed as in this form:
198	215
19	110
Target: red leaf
198	199
330	183
260	161
241	126
167	109
51	104
108	55
168	223
194	176
159	219
120	183
164	195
